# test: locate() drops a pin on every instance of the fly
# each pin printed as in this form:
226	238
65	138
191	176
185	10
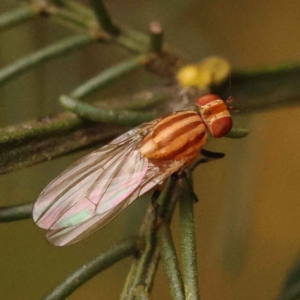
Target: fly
96	188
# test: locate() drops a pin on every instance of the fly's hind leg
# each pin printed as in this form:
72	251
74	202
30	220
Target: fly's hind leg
208	156
212	154
186	178
154	198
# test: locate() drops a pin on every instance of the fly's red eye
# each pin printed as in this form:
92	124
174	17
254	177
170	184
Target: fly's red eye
207	98
221	126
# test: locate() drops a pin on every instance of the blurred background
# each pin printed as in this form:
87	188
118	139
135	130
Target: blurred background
248	224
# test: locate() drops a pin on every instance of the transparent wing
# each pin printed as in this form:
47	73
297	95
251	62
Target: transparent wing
93	185
73	234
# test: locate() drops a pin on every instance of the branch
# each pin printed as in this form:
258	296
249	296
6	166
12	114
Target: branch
291	287
36	141
110	116
170	260
156	37
18	143
105	260
17	16
188	242
103	17
108	76
16	212
264	88
144	268
50	52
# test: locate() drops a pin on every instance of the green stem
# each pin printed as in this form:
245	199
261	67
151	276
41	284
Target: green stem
109	76
70	18
156	37
50	52
17	16
141	294
93	113
258	72
139	266
79	8
143	270
171	264
16	212
188	243
65	132
38	128
237	132
105	260
103	17
20	150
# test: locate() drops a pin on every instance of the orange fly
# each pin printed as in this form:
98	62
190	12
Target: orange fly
100	185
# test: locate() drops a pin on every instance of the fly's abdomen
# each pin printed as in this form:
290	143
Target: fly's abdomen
179	136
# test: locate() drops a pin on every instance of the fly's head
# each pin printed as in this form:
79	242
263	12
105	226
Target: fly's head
215	115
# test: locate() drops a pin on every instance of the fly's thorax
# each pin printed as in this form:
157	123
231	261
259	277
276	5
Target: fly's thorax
215	115
176	137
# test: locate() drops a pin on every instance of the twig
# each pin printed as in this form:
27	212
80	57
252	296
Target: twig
17	16
50	142
237	132
109	76
188	243
143	269
149	258
263	88
38	128
15	212
77	7
71	19
170	260
141	294
156	37
18	143
105	260
291	287
110	116
281	69
50	52
103	17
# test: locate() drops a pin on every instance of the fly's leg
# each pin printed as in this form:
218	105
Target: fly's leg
191	189
208	156
183	176
154	198
211	154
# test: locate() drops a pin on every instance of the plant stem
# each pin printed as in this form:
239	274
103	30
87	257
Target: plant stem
237	132
109	76
188	242
17	16
171	264
50	52
71	19
117	117
15	212
103	17
156	37
141	294
22	149
143	269
105	260
281	69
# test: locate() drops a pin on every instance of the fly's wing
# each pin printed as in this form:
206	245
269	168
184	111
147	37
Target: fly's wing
73	234
94	185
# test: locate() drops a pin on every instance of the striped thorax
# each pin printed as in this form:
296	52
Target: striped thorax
183	134
179	136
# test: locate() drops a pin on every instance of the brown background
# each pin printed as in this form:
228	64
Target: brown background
248	224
